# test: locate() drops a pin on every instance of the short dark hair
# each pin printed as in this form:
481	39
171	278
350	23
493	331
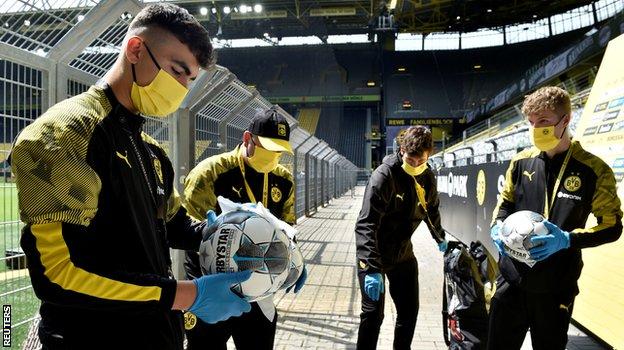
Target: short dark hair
181	24
416	140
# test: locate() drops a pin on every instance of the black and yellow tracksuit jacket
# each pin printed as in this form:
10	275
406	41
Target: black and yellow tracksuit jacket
97	197
222	175
587	185
391	212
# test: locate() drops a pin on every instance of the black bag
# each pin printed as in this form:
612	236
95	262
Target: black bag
465	301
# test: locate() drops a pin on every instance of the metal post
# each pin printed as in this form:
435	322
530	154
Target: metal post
316	189
183	151
504	35
368	161
308	174
325	193
183	144
296	168
316	156
48	81
307	183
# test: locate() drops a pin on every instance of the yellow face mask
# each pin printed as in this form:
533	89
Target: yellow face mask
264	161
414	171
159	98
544	138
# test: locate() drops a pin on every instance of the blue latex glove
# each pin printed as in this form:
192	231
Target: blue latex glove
211	217
549	244
215	301
443	245
300	281
497	241
373	285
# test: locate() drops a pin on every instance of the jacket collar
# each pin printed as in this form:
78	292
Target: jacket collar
133	122
574	147
393	160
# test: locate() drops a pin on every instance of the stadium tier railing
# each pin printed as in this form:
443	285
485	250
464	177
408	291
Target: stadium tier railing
511	118
504	135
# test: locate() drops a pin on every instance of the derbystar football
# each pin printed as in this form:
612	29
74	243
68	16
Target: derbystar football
243	240
516	233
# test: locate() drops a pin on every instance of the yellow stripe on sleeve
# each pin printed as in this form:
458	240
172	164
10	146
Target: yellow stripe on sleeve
59	269
607	221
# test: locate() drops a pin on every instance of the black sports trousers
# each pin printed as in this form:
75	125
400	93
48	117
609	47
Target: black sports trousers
403	288
513	311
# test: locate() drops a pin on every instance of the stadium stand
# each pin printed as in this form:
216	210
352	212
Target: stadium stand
330	125
305	71
353	138
437	82
448	82
344	129
308	119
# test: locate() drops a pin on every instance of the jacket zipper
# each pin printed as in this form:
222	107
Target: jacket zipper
424	206
142	165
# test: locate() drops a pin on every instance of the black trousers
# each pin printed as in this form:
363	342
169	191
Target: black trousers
251	330
403	288
513	311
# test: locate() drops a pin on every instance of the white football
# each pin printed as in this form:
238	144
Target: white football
516	233
243	240
296	265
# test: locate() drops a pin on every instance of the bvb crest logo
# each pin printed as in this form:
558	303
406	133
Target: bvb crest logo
190	320
281	129
545	131
481	187
158	169
572	183
276	194
399	138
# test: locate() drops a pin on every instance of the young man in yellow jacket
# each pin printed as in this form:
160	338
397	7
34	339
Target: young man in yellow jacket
96	194
249	173
565	183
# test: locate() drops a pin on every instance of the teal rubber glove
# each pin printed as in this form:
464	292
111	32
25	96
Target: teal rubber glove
300	282
494	233
549	244
443	245
373	285
215	301
211	217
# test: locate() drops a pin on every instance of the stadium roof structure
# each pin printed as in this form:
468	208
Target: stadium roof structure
296	18
265	19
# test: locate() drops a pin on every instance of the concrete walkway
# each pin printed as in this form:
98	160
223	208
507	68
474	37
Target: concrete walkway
325	313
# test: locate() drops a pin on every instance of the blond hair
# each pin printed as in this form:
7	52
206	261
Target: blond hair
547	98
